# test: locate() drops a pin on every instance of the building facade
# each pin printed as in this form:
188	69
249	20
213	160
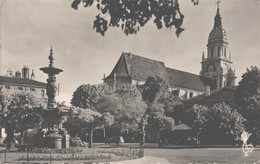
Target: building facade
134	69
21	83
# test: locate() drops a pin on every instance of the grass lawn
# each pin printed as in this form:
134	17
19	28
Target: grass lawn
205	155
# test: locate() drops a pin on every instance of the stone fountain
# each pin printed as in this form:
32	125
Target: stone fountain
52	115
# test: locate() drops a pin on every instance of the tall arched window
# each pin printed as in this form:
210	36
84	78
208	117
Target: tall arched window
212	51
225	52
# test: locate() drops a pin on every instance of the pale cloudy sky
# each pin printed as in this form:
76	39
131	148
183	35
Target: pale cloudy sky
29	27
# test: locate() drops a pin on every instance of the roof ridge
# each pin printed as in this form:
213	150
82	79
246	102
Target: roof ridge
23	79
181	71
127	53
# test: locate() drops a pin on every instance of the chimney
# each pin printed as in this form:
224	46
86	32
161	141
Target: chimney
25	72
18	74
207	90
32	76
130	54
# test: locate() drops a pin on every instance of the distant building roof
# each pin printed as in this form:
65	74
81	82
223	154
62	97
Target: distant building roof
226	94
21	81
140	68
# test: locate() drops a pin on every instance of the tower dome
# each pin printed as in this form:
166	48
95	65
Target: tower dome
218	33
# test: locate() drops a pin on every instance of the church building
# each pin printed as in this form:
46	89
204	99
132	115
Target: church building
217	63
216	66
134	69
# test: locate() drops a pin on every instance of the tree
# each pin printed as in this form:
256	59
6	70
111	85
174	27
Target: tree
172	105
20	114
218	124
127	107
248	99
196	118
130	16
86	96
224	124
87	120
153	89
157	119
154	93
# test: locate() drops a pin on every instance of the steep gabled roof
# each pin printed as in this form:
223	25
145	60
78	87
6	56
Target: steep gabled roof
184	79
137	67
140	68
21	81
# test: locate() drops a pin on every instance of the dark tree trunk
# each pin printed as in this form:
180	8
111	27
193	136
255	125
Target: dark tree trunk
90	138
21	138
142	138
10	138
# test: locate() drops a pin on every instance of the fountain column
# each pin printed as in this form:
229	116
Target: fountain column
52	115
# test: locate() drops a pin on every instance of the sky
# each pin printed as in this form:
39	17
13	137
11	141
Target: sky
28	28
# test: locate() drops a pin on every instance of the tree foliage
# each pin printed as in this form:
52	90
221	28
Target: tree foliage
248	98
196	118
157	118
224	123
20	114
218	124
130	16
153	89
86	96
85	121
172	105
125	105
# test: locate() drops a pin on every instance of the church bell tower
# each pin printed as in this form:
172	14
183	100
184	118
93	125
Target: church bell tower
216	65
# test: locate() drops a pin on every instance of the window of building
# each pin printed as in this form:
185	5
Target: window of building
43	92
20	88
212	51
32	89
225	52
219	51
7	87
176	92
191	94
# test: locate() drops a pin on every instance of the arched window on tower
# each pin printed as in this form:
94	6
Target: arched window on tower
212	51
225	52
218	51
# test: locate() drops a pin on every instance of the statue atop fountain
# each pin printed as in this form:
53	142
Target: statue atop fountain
51	87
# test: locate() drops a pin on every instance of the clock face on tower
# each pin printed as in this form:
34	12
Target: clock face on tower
210	68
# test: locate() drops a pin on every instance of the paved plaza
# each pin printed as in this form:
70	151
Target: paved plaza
205	155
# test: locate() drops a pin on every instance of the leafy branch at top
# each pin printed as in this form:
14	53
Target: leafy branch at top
131	15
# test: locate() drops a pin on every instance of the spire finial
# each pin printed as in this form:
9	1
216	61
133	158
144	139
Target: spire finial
218	22
203	57
51	58
218	2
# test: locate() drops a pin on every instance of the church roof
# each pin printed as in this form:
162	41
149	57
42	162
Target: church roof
140	68
20	81
184	79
